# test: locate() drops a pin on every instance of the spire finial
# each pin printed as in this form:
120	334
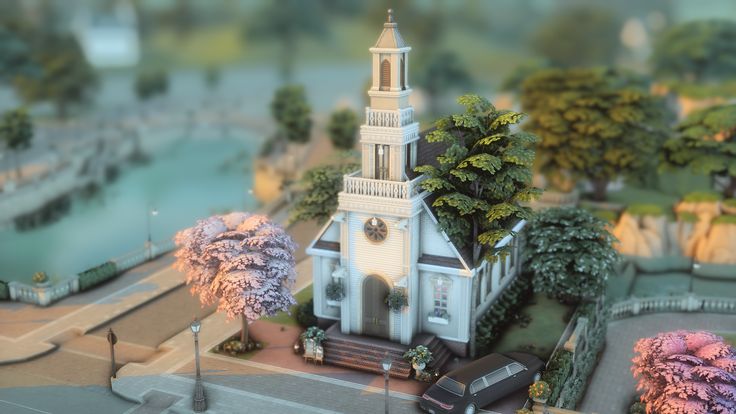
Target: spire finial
390	18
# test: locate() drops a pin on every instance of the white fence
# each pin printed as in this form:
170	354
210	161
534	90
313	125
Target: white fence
45	294
387	118
382	188
687	303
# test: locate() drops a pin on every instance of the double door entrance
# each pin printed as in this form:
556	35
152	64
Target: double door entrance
375	310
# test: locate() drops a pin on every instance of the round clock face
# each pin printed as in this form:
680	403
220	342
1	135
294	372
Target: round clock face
375	230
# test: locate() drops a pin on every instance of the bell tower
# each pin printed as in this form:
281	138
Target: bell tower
388	137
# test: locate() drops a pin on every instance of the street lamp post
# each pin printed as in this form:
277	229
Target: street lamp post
112	339
199	403
386	364
149	243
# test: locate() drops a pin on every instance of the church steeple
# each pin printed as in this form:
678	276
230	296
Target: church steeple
389	134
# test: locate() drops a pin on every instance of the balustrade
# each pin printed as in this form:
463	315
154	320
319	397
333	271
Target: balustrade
391	119
382	188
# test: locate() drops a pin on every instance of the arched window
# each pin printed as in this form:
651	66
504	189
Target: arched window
403	74
385	75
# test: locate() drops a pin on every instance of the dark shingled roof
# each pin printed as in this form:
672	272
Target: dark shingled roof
427	153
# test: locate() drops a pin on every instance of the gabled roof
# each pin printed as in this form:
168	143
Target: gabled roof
390	38
465	254
323	242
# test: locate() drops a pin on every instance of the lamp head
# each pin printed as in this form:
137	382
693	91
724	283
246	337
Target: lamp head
195	326
154	212
386	362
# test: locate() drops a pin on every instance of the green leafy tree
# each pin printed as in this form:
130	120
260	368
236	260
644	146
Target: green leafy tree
14	55
570	253
594	124
212	77
287	22
66	78
291	112
16	131
342	127
442	73
319	187
482	177
149	84
705	142
696	51
583	35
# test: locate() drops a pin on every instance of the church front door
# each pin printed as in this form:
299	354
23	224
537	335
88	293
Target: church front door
375	310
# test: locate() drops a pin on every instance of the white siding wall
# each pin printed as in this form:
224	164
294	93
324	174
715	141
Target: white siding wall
432	241
385	259
458	306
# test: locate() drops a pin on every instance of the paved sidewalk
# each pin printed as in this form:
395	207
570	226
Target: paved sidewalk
612	385
44	339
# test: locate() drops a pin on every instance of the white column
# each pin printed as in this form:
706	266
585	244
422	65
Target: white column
395	69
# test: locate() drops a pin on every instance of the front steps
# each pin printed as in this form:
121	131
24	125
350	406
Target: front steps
366	353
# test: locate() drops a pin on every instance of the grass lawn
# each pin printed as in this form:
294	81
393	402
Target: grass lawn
729	337
285	318
659	284
632	195
541	335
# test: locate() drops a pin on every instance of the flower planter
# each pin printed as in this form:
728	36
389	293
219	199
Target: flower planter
419	366
333	303
540	400
438	320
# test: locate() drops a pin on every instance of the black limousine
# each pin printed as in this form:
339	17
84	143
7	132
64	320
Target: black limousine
481	382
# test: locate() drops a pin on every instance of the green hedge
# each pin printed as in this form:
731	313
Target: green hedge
726	219
96	275
702	197
4	292
557	373
662	264
560	368
715	271
645	210
500	314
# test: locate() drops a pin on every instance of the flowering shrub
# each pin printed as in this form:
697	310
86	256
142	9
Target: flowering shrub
686	372
539	390
335	291
40	277
419	355
396	300
315	334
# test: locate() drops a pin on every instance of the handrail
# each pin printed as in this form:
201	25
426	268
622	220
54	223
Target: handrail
635	306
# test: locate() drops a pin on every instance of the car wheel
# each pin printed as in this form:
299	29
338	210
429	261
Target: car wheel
537	376
470	409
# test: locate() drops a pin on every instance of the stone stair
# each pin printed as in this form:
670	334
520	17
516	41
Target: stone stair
363	353
366	353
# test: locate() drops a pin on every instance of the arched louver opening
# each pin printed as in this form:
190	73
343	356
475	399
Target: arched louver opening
385	75
403	74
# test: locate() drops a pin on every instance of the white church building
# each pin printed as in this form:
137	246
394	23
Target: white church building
385	234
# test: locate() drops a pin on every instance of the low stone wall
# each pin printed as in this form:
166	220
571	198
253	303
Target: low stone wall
45	294
687	303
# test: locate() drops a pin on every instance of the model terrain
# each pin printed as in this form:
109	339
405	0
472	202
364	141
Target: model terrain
565	246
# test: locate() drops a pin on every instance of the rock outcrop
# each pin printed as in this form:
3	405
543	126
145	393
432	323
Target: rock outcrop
719	246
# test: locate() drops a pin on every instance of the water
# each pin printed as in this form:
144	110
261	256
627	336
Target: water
187	179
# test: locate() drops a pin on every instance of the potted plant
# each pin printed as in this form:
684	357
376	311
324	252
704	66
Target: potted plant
396	299
315	334
524	411
419	357
439	316
335	292
40	279
540	391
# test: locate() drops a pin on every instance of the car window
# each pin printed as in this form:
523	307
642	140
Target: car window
497	376
477	385
515	368
449	384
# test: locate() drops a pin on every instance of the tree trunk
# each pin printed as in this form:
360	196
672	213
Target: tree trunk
244	331
61	109
599	188
18	170
729	191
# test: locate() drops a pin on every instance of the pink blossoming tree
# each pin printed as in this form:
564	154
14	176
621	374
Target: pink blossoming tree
243	261
685	372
